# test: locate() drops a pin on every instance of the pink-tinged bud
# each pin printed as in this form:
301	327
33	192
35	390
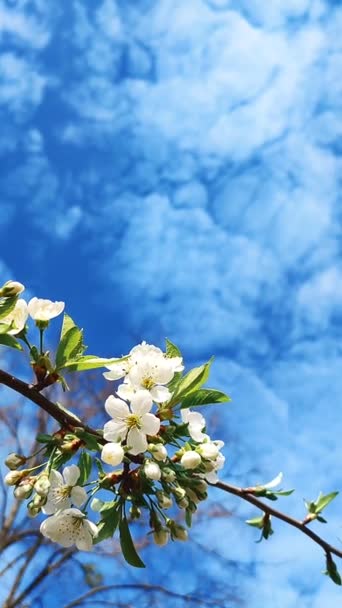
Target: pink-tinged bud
14	461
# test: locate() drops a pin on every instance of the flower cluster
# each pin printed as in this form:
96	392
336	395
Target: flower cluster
155	454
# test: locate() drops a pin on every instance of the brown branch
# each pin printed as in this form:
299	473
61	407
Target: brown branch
67	419
141	587
295	523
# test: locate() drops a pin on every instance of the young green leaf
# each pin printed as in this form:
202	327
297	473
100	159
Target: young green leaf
192	381
7	305
85	463
68	324
172	350
323	501
88	362
71	347
332	571
127	545
109	522
7	340
204	396
256	522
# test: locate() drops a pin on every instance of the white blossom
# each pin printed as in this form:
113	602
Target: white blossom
155	369
152	471
112	453
196	424
151	375
44	310
63	490
190	460
159	451
132	425
16	318
70	527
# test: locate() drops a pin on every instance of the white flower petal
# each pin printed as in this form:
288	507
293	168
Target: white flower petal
136	441
84	541
78	496
160	394
114	431
273	483
126	391
71	475
150	424
141	402
116	408
56	478
164	372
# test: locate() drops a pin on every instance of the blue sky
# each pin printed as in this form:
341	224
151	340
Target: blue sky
172	168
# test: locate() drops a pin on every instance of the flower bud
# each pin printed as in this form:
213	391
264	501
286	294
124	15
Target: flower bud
201	486
161	537
152	471
159	451
179	532
164	501
13	477
209	450
168	474
112	453
190	460
14	461
22	491
209	466
42	485
11	288
184	503
179	493
96	504
38	501
32	510
192	495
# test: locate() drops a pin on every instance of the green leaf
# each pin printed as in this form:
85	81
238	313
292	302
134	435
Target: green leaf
172	350
89	439
7	340
109	522
44	438
323	501
284	492
68	324
188	518
4	327
71	347
204	396
192	381
127	545
85	464
88	362
7	305
332	571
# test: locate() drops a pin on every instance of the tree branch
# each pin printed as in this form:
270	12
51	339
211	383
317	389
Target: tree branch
68	420
65	418
295	523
